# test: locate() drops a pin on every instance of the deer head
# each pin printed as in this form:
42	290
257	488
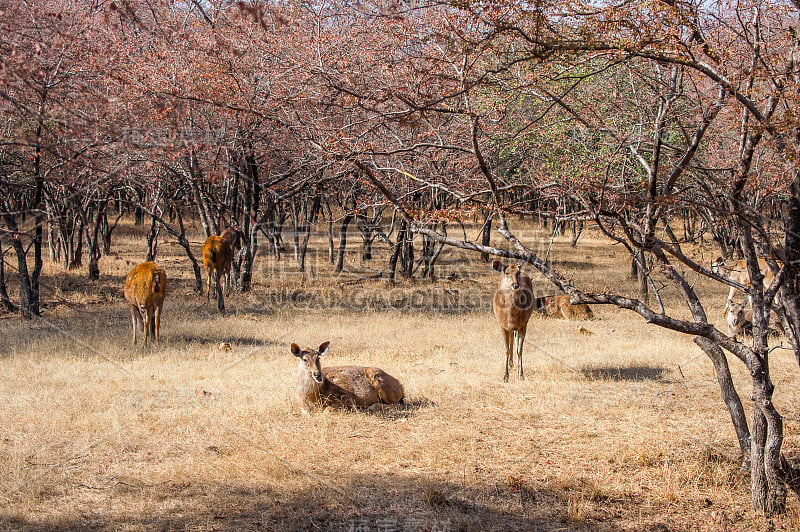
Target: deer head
309	360
736	314
512	275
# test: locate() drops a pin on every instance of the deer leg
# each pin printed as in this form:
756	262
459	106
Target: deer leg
519	336
509	341
208	286
157	324
148	317
135	319
220	298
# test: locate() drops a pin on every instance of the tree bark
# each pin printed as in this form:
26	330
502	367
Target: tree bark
790	289
331	244
29	299
342	242
4	299
93	242
732	400
152	240
486	236
182	240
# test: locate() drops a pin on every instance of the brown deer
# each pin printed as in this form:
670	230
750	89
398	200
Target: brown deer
342	386
740	320
737	271
145	288
513	305
217	258
560	307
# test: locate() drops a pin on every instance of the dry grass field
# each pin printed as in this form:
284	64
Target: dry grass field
622	429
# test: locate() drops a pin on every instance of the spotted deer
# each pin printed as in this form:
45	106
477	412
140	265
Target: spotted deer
560	307
740	319
737	271
342	386
217	258
145	288
513	305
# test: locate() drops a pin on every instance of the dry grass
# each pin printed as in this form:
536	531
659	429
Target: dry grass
622	429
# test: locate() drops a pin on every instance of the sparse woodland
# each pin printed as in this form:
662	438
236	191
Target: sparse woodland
410	137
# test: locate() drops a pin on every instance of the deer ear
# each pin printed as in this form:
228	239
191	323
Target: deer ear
296	350
323	348
497	265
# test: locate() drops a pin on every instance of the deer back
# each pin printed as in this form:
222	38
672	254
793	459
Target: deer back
217	253
146	285
579	311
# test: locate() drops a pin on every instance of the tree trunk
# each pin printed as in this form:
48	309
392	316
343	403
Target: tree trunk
206	219
251	205
198	279
331	244
486	236
768	489
577	229
790	289
303	229
639	272
93	242
152	240
4	299
406	240
29	299
51	239
108	230
392	267
431	249
729	395
76	245
342	242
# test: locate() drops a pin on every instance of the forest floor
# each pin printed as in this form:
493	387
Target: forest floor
619	426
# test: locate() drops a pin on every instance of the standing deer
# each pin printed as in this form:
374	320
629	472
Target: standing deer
513	305
342	386
738	272
145	288
217	258
740	320
560	307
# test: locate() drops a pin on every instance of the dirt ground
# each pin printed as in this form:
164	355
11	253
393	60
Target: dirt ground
619	426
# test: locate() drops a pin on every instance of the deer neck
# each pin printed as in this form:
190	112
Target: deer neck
306	386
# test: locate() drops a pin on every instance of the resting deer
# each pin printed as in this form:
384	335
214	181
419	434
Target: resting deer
737	271
560	307
513	305
740	320
145	288
218	256
342	386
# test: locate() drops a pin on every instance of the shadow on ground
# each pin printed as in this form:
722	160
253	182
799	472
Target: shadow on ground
628	373
366	502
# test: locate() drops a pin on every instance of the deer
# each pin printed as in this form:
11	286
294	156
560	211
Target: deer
513	306
560	307
341	387
737	271
218	256
145	288
740	320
